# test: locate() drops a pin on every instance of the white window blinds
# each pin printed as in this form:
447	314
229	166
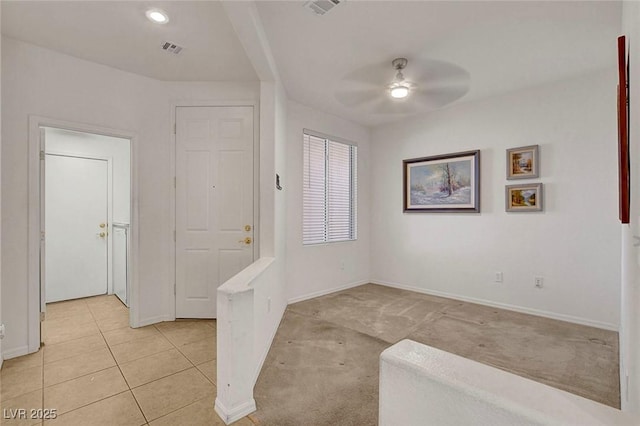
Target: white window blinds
329	195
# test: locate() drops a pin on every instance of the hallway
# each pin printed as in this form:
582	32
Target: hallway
95	370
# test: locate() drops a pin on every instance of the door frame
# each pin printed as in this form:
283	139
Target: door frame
109	161
256	177
34	218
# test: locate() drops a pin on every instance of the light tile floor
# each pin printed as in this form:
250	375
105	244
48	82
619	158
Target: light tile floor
95	370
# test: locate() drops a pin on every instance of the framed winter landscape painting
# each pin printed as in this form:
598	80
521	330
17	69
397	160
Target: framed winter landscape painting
524	198
442	183
522	162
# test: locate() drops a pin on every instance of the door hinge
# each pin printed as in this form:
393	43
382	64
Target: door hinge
174	128
42	155
42	316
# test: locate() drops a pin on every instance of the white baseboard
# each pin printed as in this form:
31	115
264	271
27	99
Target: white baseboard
515	308
325	292
155	320
230	416
14	353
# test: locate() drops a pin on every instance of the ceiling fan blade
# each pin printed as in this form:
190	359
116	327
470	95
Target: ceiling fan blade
437	72
442	85
421	101
359	85
375	75
437	97
379	107
396	107
352	98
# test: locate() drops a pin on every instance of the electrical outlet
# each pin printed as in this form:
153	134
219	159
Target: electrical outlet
498	277
538	282
1	331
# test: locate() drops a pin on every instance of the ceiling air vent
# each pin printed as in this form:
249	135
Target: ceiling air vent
320	7
169	47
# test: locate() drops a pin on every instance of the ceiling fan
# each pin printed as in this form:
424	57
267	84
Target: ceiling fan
422	85
400	88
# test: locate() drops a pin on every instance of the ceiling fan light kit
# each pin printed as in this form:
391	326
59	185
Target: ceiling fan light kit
399	89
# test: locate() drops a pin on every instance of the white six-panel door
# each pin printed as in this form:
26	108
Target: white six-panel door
75	227
214	203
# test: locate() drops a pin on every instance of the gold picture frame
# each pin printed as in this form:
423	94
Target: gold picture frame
524	198
523	162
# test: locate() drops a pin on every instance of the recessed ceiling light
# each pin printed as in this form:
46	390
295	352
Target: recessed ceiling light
157	16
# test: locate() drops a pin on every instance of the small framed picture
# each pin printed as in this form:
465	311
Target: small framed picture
522	162
523	198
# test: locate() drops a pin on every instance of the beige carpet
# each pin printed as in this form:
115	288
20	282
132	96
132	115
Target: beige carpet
323	366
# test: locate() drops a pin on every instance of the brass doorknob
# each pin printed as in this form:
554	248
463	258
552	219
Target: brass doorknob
102	234
247	228
102	225
246	241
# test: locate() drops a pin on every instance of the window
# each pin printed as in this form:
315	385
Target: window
329	195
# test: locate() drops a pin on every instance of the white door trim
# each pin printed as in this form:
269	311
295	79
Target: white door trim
109	161
256	178
33	232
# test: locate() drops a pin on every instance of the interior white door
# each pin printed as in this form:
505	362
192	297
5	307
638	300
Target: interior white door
76	200
120	262
214	203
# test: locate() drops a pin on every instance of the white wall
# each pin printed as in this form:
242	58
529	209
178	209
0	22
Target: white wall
574	244
630	298
270	298
77	143
251	304
334	265
42	82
